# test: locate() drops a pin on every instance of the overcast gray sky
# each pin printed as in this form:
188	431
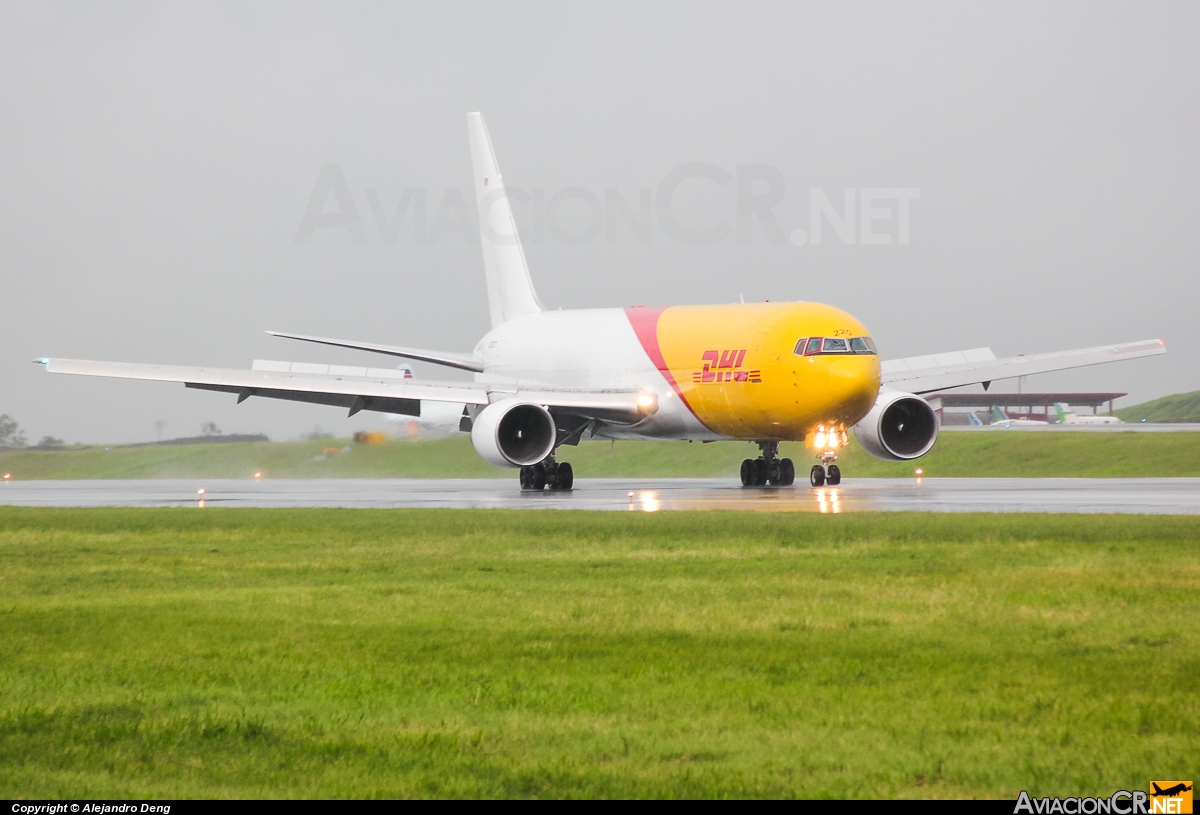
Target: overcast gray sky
157	161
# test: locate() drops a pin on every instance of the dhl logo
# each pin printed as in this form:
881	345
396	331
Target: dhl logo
717	365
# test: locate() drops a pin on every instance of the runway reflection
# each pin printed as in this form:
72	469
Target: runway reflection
1141	495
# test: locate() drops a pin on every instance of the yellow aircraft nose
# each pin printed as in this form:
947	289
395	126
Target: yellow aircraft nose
853	385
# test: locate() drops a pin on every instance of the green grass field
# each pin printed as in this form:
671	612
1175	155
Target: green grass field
195	653
1179	407
966	454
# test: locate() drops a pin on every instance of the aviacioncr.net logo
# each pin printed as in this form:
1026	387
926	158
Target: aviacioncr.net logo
1165	798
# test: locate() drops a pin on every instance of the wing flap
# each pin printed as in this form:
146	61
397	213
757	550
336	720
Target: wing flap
925	378
380	404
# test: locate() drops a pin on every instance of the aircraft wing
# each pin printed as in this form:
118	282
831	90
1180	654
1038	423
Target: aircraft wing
980	366
358	389
466	362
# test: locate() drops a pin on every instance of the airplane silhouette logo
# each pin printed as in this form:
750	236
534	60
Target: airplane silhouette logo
1170	792
1170	798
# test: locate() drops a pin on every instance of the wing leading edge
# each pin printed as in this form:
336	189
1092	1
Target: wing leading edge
356	393
978	367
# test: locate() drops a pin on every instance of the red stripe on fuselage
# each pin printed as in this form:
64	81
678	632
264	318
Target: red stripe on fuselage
645	325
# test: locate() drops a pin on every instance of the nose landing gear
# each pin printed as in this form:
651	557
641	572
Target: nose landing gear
547	473
778	472
826	472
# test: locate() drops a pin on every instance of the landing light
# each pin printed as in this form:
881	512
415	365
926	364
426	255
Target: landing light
918	472
7	477
645	400
830	439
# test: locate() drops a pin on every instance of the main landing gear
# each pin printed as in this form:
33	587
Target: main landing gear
778	472
547	473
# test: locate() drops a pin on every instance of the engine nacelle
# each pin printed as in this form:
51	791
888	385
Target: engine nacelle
513	433
900	427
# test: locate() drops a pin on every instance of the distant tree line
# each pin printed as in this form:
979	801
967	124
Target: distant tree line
11	435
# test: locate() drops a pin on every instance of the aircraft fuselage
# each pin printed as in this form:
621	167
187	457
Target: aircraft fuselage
719	371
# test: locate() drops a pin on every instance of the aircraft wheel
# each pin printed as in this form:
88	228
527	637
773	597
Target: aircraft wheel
747	473
773	472
787	473
526	480
537	478
816	476
564	477
760	472
835	476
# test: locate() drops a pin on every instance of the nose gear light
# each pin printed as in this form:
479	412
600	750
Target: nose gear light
824	438
824	442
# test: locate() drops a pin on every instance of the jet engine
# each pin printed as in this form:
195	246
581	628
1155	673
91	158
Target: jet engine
900	427
512	433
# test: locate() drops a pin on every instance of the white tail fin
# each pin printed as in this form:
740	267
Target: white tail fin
510	291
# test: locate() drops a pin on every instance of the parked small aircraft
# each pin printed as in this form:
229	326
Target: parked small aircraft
1068	416
1000	419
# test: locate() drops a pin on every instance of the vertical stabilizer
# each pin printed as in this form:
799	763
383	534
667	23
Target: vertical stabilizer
998	414
510	290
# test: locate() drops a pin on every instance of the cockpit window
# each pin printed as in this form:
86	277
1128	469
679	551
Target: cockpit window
835	345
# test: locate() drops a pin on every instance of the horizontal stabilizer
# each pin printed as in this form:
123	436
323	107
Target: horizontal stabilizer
465	362
925	378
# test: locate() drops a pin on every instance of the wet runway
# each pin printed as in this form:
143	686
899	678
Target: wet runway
1128	427
1127	495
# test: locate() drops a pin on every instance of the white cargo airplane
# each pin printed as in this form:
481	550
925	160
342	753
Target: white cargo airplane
1066	415
761	372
